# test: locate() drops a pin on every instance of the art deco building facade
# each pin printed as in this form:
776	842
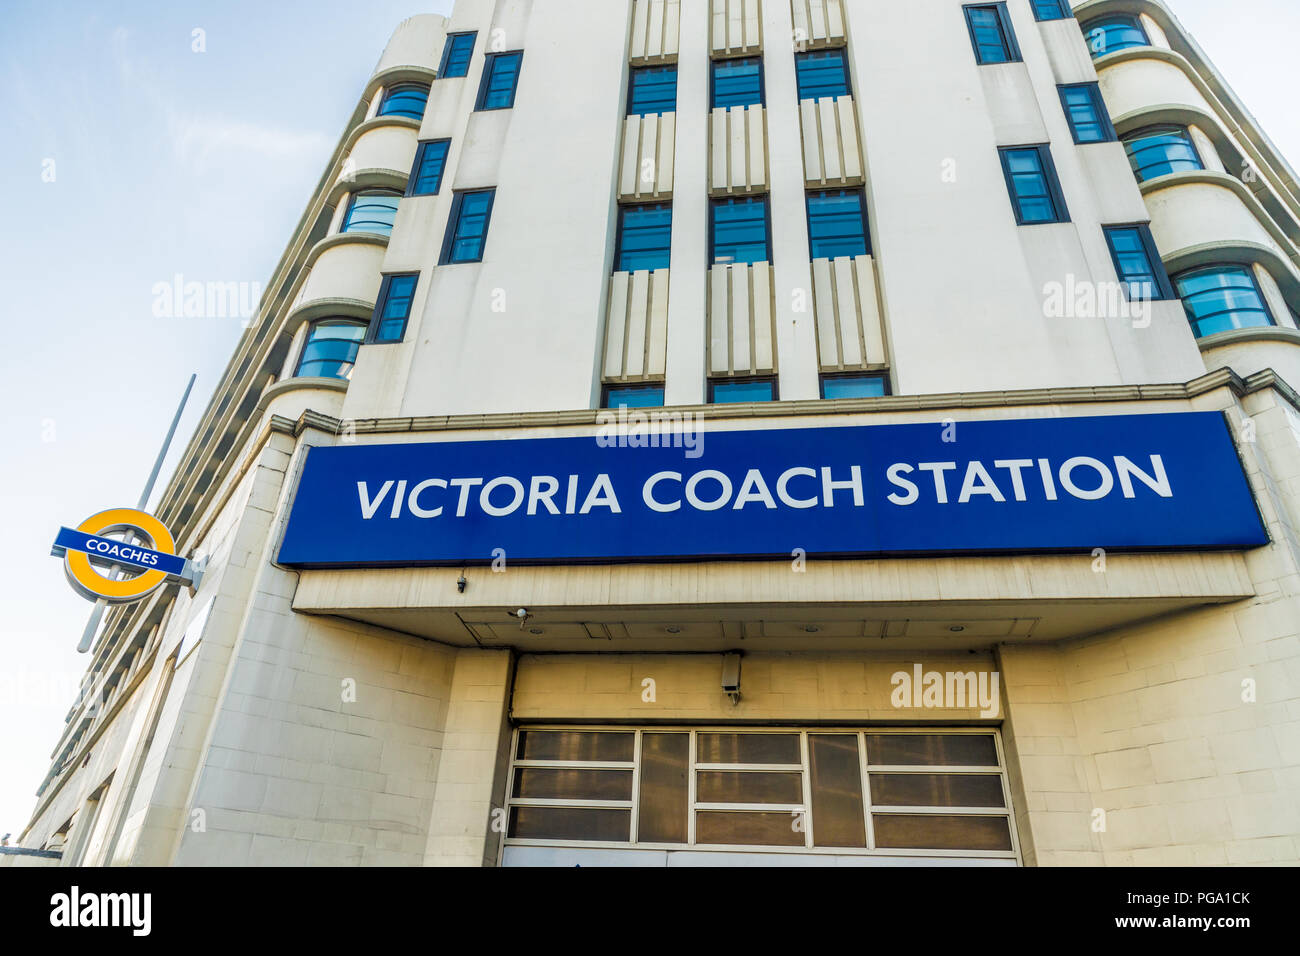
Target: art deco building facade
972	535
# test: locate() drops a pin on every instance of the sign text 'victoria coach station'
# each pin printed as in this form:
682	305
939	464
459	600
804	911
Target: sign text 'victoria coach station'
1131	481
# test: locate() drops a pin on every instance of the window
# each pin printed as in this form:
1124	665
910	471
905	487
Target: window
652	90
1222	297
1051	9
331	348
455	54
394	307
854	385
500	77
644	237
728	391
738	230
860	791
837	224
404	99
430	161
1137	263
822	74
1109	34
1086	112
467	226
990	33
1161	150
633	396
372	211
737	82
1031	180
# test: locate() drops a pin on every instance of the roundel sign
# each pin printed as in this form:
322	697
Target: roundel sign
119	570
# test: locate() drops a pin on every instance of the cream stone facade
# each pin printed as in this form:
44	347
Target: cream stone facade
1145	705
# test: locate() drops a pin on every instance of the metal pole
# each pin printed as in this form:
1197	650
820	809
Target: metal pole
97	614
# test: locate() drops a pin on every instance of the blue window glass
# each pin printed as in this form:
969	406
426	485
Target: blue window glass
1051	9
990	33
372	211
822	74
837	224
331	348
644	237
652	89
1159	151
633	396
1136	262
738	230
467	227
854	386
737	82
1031	180
404	99
1222	297
1108	34
725	391
393	309
456	53
1086	112
426	174
500	77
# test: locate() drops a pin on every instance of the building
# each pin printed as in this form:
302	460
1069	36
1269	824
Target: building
968	531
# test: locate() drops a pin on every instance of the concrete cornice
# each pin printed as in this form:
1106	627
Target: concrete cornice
1267	333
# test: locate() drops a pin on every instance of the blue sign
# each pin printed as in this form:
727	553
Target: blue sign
1125	482
110	551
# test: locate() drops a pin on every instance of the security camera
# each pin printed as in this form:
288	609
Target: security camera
460	584
731	676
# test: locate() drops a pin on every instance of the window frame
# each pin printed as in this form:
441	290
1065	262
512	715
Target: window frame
376	318
396	87
489	61
619	228
713	82
881	376
1088	27
1055	191
1099	107
716	202
632	71
420	150
843	54
446	54
1010	43
862	206
453	223
714	382
1164	284
610	387
1063	7
369	191
314	324
1150	132
1243	265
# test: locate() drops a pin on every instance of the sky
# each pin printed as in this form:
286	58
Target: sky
137	150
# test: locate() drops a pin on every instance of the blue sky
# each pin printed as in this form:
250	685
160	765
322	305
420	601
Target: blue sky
168	161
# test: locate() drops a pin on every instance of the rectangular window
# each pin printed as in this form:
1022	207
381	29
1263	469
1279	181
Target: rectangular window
1052	10
739	230
500	78
644	237
393	310
737	82
426	174
455	54
729	391
651	90
633	396
1086	112
468	226
1031	180
822	74
837	224
1137	263
854	385
991	34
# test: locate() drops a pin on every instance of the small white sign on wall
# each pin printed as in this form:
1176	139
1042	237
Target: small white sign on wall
193	632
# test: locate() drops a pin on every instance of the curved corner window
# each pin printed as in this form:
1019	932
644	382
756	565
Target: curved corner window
1220	298
372	211
1161	150
1109	34
405	99
331	348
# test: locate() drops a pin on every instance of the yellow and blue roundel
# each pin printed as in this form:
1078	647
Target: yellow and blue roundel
89	558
